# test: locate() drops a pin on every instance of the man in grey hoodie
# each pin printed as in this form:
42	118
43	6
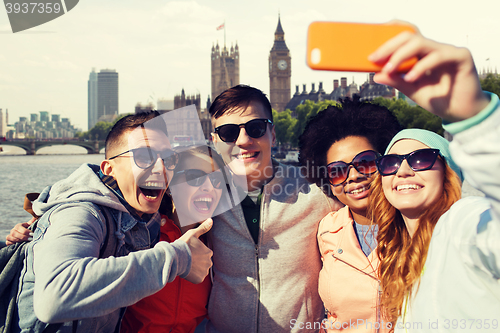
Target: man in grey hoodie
66	278
266	258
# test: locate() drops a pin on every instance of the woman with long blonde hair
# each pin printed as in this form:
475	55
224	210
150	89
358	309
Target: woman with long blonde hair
403	243
439	254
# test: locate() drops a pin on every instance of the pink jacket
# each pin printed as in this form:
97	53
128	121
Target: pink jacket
348	283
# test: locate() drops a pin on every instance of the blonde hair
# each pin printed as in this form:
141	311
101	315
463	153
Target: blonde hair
402	257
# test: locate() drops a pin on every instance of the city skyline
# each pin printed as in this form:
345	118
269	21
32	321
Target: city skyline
47	67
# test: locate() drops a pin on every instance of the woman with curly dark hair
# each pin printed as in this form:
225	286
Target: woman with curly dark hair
338	149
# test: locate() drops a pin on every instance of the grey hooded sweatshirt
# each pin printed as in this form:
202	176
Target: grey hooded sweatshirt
271	286
64	279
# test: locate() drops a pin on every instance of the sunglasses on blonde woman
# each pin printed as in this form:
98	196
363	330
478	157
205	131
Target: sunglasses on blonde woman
418	160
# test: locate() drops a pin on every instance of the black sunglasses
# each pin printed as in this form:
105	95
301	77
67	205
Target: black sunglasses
418	160
145	157
255	129
364	163
196	177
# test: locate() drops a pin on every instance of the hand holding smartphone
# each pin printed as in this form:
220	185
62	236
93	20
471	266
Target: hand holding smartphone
342	46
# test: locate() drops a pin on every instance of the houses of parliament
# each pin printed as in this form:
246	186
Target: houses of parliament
225	68
225	73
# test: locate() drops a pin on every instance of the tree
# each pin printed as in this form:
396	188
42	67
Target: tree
491	83
101	130
284	126
305	112
410	116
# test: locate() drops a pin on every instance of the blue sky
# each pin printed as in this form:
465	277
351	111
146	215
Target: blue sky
160	47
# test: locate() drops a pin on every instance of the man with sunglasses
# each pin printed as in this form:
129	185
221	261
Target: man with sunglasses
266	260
91	254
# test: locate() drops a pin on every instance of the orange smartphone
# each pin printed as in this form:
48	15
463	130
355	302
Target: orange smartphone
342	46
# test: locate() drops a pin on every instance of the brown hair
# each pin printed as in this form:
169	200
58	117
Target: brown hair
130	122
402	257
239	96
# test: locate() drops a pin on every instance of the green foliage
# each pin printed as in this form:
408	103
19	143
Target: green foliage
100	130
411	116
284	126
289	129
491	83
305	112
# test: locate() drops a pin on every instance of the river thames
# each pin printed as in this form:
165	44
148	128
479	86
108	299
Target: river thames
21	174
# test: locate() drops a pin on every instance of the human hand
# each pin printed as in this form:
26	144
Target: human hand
200	254
444	80
20	233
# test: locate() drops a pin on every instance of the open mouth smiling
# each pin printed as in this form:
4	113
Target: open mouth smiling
408	187
152	190
203	203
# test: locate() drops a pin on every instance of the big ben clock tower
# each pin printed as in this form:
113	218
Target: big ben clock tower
280	71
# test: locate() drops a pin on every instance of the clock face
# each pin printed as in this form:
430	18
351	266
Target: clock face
282	65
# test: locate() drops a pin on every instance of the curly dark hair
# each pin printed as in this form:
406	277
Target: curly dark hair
349	118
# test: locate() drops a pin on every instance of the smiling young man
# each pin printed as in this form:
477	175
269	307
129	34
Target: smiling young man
266	260
67	278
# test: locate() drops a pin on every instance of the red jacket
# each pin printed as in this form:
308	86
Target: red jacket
179	307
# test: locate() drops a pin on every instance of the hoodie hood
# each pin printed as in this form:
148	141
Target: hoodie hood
82	185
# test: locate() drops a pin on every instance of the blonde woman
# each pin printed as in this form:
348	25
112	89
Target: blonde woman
440	256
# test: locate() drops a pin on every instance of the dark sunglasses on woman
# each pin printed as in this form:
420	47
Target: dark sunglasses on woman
418	160
364	163
146	157
195	177
255	128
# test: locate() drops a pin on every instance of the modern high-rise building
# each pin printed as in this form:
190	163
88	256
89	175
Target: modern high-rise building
92	99
44	116
225	68
280	71
107	95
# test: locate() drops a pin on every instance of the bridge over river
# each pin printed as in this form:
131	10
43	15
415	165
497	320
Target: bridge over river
32	146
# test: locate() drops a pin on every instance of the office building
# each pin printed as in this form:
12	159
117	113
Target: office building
107	95
92	99
44	116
